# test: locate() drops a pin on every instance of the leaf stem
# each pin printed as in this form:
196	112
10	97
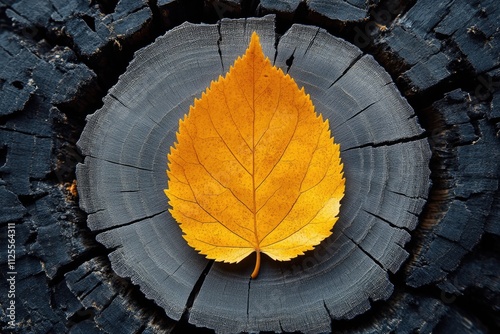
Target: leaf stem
255	272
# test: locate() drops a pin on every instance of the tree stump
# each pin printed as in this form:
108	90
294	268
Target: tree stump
416	225
385	158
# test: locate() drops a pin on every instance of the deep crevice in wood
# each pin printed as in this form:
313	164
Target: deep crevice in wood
218	46
388	143
353	62
106	6
289	62
122	164
377	262
388	222
99	231
183	324
78	261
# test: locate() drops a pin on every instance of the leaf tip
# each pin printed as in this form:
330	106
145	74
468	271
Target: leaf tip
255	39
255	47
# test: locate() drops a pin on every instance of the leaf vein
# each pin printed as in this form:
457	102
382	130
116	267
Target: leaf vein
300	194
224	141
212	176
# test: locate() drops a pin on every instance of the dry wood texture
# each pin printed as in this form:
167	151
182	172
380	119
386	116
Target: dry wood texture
416	246
385	160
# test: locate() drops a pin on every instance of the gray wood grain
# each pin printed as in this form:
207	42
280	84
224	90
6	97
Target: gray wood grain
385	158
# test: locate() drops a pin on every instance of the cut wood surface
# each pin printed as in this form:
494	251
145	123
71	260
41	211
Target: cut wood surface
432	267
385	158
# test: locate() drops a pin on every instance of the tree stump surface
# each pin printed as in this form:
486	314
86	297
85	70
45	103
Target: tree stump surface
432	269
385	160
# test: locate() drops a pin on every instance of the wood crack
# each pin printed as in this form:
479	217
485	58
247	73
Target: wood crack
353	62
194	293
120	163
311	42
388	143
388	222
99	231
377	262
119	101
219	40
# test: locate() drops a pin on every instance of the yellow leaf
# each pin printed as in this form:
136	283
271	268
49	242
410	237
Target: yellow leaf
254	169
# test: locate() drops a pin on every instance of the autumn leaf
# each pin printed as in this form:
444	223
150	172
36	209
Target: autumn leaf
254	169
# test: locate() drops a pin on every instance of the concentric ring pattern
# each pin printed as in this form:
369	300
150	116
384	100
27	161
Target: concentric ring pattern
384	152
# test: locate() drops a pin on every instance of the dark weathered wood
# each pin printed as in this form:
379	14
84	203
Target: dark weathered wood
383	151
333	10
14	210
58	59
438	39
467	167
339	10
281	7
416	313
37	81
481	289
85	26
15	88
